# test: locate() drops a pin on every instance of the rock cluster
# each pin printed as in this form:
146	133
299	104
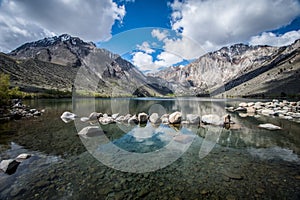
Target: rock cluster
154	118
275	108
10	166
18	111
282	109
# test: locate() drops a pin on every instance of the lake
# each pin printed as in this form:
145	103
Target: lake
149	162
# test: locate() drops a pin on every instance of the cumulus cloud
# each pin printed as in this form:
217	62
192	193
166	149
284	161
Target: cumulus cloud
176	48
218	23
268	38
22	21
166	59
145	47
144	62
160	35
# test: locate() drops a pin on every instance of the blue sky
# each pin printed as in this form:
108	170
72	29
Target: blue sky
152	34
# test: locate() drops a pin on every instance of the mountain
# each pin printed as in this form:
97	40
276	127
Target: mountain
238	70
55	63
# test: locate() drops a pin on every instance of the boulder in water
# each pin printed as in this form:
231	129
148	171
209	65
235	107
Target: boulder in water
175	117
133	120
68	117
269	126
22	157
9	166
106	120
154	118
142	117
212	119
94	116
115	116
90	131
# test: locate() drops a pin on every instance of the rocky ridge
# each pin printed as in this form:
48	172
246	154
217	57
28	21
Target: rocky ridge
63	56
52	64
217	72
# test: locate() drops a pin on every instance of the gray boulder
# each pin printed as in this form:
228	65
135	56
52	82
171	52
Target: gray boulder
115	116
22	157
9	166
241	109
175	117
94	116
142	117
37	113
193	119
84	119
243	104
165	118
127	117
269	126
90	131
133	120
251	110
212	119
68	117
120	118
106	120
296	115
267	112
154	118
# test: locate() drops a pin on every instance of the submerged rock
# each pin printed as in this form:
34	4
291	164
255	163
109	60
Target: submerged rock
184	139
233	175
175	117
269	126
90	131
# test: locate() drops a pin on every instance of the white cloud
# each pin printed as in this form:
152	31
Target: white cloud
176	48
23	21
160	35
144	62
166	59
145	46
184	47
218	23
268	38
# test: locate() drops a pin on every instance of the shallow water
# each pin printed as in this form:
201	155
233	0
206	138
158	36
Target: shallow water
191	162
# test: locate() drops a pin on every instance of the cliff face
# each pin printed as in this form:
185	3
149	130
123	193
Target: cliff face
220	71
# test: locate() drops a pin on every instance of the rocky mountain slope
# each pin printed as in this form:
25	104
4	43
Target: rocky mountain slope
225	70
279	77
55	63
